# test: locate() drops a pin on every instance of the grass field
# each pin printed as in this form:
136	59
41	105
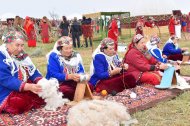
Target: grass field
175	112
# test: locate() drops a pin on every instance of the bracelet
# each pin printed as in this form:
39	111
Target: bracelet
157	67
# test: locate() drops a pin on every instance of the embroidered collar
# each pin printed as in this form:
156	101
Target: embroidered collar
21	56
74	54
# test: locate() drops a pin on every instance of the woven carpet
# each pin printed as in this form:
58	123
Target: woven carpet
147	96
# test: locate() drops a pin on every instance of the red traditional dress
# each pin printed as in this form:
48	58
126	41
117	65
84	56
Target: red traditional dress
113	33
87	30
15	100
141	69
184	24
139	27
171	26
44	32
30	32
188	23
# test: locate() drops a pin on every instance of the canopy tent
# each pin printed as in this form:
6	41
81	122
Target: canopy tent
99	14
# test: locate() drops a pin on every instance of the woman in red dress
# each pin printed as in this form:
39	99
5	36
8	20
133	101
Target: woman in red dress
143	68
30	32
139	26
45	28
171	26
113	32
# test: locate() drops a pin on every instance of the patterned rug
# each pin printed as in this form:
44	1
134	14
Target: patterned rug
38	117
147	96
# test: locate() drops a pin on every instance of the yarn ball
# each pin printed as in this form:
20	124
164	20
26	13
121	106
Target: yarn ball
104	93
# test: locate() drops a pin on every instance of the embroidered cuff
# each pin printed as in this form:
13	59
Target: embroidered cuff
152	67
22	86
37	79
66	76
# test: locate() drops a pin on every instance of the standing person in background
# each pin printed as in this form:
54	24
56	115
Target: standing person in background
87	30
172	23
76	32
149	22
10	22
17	23
139	26
188	23
119	25
64	26
30	32
113	32
97	26
184	23
45	29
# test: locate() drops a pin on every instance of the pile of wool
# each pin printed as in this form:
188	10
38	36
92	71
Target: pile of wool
181	83
50	94
99	113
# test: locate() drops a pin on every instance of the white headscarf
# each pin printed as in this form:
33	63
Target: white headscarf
11	60
153	42
110	59
72	64
65	40
8	60
171	41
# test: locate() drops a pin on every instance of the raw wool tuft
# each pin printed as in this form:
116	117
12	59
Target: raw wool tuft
99	113
181	82
50	94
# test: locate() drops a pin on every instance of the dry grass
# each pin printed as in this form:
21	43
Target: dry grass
175	112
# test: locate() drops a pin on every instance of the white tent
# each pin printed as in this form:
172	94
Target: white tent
4	16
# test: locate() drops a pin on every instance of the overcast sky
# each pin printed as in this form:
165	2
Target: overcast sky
40	8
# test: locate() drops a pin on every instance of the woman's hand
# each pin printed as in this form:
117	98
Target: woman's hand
184	49
177	67
35	88
164	56
75	77
163	66
125	66
115	71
